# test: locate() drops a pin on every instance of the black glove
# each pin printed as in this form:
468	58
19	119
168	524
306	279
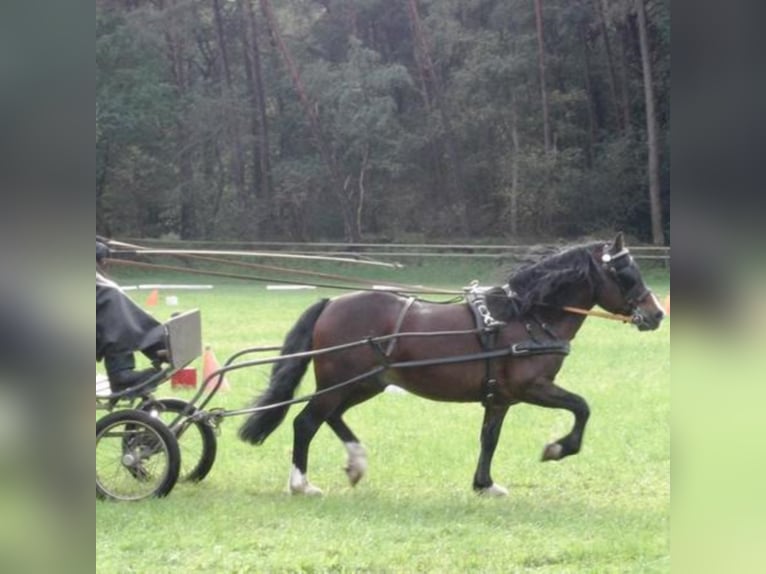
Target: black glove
102	251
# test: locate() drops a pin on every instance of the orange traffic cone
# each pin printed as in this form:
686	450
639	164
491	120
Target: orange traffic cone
153	298
209	366
667	305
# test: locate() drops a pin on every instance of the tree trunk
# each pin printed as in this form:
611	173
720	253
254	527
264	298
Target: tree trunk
259	123
593	128
214	173
428	72
541	65
186	171
264	147
238	158
362	190
658	237
436	169
247	57
102	223
516	149
618	113
313	118
624	83
176	55
267	183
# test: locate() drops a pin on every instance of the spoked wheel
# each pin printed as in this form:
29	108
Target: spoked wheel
196	439
137	456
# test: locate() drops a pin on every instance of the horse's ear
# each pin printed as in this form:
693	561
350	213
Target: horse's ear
619	243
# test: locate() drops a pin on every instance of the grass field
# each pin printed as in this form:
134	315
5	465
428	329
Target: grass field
604	510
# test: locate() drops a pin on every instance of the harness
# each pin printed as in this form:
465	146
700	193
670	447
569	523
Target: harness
489	328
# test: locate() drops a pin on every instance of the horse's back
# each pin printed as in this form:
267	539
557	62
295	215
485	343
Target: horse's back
364	314
357	316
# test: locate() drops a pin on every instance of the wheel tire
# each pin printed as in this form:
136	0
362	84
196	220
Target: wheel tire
143	462
196	440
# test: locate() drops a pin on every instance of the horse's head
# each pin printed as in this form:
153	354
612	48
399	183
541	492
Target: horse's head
622	289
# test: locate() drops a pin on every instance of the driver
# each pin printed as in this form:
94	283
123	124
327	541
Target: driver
122	328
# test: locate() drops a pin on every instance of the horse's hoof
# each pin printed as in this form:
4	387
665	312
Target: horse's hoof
299	484
357	462
354	475
552	452
494	491
306	489
312	490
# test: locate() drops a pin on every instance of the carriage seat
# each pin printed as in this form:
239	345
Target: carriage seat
183	339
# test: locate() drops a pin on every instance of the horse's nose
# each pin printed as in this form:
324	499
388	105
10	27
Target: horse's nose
659	315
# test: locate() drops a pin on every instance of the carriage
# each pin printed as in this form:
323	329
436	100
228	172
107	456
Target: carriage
137	441
499	346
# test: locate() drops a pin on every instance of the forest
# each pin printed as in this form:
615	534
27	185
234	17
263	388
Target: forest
382	120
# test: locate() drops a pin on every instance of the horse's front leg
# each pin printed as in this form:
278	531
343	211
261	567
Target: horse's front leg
546	394
490	434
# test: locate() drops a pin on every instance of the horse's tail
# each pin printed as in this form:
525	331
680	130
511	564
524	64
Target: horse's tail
285	376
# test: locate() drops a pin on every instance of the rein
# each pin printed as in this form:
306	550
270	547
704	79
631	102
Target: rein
600	314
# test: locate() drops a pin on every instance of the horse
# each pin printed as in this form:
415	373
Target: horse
536	303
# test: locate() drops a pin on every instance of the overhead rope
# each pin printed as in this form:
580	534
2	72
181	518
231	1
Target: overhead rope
394	285
204	255
142	251
391	289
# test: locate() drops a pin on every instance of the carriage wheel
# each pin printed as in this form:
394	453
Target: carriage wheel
196	439
137	457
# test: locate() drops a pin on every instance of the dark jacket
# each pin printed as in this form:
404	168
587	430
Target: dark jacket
121	325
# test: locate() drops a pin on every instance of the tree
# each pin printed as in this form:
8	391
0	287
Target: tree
390	119
541	64
134	104
651	129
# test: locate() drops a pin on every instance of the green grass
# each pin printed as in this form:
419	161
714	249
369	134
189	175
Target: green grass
604	510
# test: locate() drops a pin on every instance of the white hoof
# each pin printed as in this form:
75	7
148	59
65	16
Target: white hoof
299	484
311	490
552	452
494	491
356	464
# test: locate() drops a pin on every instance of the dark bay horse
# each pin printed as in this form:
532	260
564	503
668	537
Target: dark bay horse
529	307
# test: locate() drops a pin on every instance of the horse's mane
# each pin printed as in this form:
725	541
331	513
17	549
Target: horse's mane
541	282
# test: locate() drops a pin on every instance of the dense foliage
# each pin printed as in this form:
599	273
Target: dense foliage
380	119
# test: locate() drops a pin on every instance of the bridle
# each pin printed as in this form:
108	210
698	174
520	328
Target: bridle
614	264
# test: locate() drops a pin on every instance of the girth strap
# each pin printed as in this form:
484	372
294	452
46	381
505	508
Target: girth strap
399	320
489	342
488	328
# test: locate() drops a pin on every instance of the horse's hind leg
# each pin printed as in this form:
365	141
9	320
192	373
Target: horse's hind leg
546	394
490	434
356	464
